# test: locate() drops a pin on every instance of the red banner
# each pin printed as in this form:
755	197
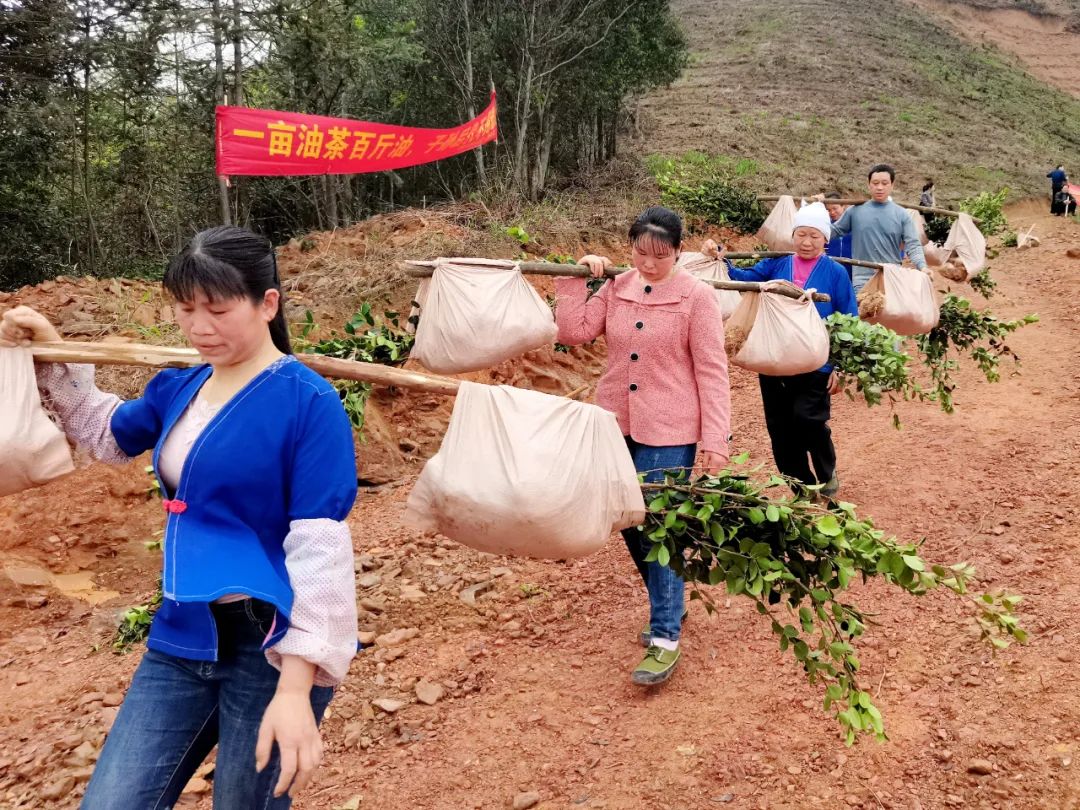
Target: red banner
267	142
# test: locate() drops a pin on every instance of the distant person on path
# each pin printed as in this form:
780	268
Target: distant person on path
1063	204
926	199
666	381
881	231
1058	181
840	247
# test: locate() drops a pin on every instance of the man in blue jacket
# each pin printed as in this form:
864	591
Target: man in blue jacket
1058	179
839	246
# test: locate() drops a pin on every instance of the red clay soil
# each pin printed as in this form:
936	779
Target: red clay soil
1045	44
534	674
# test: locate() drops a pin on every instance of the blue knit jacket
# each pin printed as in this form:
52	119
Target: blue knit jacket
280	450
827	277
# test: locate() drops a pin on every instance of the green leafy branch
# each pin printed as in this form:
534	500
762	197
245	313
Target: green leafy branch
794	557
135	623
869	362
966	330
367	339
989	209
983	283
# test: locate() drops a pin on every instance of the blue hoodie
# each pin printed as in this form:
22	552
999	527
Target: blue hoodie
280	450
827	277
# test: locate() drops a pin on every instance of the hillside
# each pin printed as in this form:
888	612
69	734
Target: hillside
1046	44
816	91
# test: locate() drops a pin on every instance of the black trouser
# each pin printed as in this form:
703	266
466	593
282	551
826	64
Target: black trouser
797	411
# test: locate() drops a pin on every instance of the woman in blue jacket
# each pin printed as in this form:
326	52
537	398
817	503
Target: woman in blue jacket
797	408
254	455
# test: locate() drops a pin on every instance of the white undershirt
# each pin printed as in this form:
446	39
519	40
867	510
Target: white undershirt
177	445
175	449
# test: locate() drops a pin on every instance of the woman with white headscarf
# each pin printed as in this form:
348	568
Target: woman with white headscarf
797	408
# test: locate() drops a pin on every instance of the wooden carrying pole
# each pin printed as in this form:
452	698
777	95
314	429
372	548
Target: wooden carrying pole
772	254
925	209
134	354
422	269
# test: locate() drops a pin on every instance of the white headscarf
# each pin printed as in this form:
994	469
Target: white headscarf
814	215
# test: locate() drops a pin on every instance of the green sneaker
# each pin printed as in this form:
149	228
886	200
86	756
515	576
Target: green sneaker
831	488
646	633
656	667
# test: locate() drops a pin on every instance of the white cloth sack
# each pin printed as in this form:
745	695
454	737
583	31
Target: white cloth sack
776	230
1028	239
920	225
968	244
32	448
708	269
935	254
475	313
910	306
527	474
788	337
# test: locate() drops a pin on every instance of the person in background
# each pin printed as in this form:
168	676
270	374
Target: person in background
839	247
798	407
881	231
1058	181
666	381
1064	204
926	199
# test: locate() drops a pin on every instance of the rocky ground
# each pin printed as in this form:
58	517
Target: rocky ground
493	682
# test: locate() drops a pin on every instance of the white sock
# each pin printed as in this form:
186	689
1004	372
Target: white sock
665	643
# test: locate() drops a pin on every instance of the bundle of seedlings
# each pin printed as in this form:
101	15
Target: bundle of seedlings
795	558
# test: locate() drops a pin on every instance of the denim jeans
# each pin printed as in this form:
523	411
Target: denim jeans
665	587
175	712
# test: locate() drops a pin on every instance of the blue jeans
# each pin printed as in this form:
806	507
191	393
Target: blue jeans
665	587
177	710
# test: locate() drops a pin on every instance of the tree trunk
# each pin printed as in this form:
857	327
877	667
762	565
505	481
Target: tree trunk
470	107
177	196
238	95
219	66
543	154
330	188
238	65
91	229
523	110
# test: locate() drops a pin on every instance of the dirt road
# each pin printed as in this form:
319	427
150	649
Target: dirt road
535	675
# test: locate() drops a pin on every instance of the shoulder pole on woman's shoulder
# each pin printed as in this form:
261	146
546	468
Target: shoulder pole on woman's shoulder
423	269
134	354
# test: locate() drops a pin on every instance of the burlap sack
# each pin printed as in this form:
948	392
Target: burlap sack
966	246
701	266
475	313
776	230
776	335
32	448
527	474
900	298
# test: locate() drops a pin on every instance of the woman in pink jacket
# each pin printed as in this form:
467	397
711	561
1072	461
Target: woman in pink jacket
667	383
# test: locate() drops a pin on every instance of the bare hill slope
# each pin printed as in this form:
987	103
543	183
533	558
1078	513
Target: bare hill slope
816	91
